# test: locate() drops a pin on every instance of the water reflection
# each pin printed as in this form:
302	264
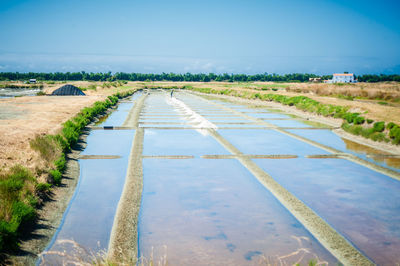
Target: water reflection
375	154
215	212
361	204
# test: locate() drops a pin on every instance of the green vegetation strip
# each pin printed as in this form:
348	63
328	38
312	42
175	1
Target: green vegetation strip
20	192
353	123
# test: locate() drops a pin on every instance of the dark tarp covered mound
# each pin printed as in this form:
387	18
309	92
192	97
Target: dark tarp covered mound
68	90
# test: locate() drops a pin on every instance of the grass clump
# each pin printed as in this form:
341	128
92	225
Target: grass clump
48	147
43	187
379	126
17	204
56	176
394	134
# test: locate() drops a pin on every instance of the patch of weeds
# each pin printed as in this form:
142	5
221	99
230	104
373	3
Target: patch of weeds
56	176
48	147
383	103
17	204
370	133
43	187
60	163
390	125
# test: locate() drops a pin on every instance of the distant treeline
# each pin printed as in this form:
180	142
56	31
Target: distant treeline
295	77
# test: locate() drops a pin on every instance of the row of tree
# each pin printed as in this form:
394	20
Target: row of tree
295	77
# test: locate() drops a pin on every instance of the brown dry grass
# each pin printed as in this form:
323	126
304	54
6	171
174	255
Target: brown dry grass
384	90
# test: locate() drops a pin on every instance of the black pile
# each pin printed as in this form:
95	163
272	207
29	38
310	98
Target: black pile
68	90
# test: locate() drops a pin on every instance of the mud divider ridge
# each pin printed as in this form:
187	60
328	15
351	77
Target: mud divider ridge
123	245
133	117
124	236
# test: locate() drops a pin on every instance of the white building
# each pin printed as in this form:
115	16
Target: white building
32	81
343	78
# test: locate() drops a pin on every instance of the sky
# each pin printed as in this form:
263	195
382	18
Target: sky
219	36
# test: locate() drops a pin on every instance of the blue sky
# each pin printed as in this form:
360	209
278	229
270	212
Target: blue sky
153	36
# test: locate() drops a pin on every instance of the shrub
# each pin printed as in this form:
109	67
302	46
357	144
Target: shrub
370	121
350	117
390	125
358	120
379	126
60	163
43	187
61	141
71	135
17	203
56	176
394	134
